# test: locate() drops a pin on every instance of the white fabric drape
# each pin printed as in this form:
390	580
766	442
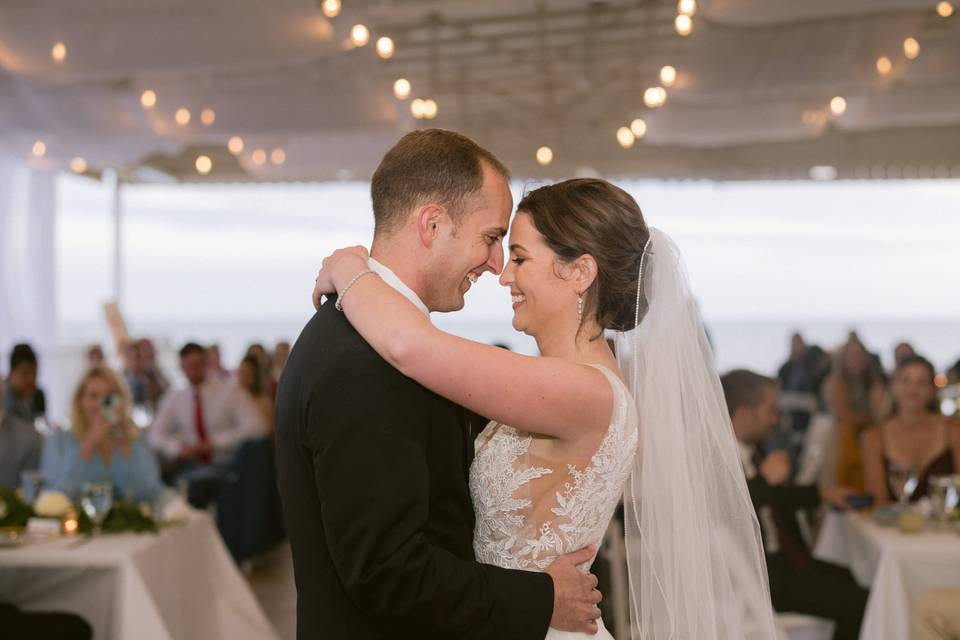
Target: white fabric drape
27	257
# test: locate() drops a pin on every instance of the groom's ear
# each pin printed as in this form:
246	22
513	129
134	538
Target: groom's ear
430	217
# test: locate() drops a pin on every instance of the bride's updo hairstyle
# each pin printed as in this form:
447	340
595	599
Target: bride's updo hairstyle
591	216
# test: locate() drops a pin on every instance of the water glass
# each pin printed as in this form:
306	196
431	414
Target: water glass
97	501
944	497
903	481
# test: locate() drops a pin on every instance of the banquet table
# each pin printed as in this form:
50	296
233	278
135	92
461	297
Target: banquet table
178	584
897	567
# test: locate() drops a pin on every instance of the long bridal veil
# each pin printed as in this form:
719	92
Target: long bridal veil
694	553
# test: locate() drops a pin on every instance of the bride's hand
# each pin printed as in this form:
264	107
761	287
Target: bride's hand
337	269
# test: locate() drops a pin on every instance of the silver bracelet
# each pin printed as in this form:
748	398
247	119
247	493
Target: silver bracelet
337	304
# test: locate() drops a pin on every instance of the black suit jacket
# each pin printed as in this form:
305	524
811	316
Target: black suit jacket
373	475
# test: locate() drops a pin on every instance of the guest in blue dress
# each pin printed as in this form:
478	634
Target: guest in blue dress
102	444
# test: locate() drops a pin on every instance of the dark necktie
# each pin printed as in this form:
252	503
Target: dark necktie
198	419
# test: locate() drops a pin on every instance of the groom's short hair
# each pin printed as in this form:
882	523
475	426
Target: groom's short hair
430	165
743	388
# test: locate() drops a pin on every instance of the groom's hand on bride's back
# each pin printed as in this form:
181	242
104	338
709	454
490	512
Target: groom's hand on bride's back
575	595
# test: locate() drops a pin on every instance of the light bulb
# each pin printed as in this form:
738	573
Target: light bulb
401	89
911	48
330	8
204	164
944	9
884	66
655	97
182	116
360	35
259	157
385	47
838	105
429	109
625	137
59	52
78	165
148	98
687	7
208	116
668	75
39	149
278	156
638	128
544	156
235	145
417	108
683	24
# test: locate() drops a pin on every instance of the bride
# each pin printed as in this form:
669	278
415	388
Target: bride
577	428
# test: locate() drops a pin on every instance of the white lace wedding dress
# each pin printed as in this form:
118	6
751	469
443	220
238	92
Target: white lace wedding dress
531	508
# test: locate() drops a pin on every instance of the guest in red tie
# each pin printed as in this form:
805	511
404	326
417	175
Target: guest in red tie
198	426
799	583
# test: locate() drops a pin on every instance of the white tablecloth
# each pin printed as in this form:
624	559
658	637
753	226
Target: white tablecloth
178	585
896	567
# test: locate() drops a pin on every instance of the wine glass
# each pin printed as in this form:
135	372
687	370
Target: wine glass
944	496
903	481
96	502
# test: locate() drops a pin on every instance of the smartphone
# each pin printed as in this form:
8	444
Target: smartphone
110	407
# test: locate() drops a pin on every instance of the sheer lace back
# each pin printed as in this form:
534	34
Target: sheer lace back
531	507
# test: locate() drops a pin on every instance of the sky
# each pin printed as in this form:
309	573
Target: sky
796	251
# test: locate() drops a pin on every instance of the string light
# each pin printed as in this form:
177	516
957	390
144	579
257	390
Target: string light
638	128
182	116
208	117
417	108
911	48
78	165
235	145
259	157
687	7
330	8
401	89
683	24
838	105
655	97
148	99
278	156
385	47
39	149
884	66
625	137
360	35
204	165
544	156
59	52
944	9
668	75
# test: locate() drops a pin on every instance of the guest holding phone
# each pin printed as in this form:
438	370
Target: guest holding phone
102	444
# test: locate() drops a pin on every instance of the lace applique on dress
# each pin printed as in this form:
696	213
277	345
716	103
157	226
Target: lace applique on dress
529	510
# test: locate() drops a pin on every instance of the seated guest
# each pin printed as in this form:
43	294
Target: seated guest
798	582
203	422
133	373
31	625
280	354
95	357
936	615
20	446
157	382
855	392
24	399
915	437
250	380
901	352
215	368
102	443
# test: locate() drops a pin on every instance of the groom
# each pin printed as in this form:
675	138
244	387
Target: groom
373	468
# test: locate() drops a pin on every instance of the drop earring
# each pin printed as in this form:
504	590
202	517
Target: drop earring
579	309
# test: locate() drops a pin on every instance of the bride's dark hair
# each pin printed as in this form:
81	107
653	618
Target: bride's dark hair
591	216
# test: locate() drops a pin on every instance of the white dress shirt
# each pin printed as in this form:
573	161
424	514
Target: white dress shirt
229	416
388	276
771	542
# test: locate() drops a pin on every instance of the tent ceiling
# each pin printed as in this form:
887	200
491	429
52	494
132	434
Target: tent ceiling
751	99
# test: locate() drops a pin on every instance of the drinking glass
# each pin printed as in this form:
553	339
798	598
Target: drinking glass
903	481
944	497
96	502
